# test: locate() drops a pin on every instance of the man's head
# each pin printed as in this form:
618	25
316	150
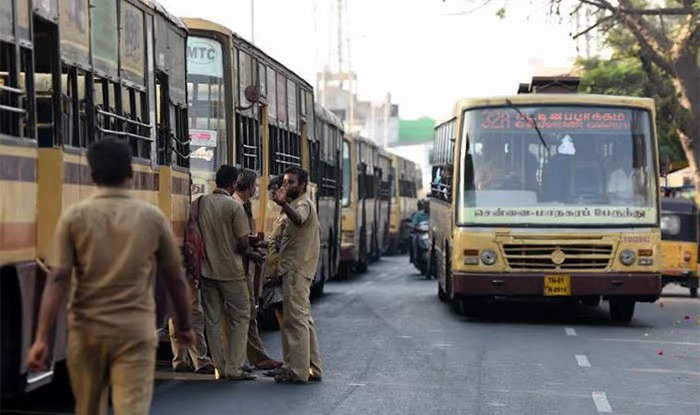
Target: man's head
246	183
426	205
110	163
420	204
226	178
275	183
295	180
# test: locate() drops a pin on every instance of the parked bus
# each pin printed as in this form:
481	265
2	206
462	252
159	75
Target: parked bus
249	110
383	206
62	87
325	162
406	196
553	195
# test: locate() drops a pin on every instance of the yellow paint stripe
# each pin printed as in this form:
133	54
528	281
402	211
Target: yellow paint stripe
19	151
18	202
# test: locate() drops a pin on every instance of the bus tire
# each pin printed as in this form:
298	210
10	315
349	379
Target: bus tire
694	291
621	309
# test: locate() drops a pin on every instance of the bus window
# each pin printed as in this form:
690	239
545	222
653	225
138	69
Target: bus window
207	106
347	174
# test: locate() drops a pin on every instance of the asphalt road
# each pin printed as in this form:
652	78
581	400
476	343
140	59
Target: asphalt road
390	347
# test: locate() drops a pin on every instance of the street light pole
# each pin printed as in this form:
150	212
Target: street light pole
252	21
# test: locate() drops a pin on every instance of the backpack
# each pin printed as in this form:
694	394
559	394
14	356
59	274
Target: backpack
194	250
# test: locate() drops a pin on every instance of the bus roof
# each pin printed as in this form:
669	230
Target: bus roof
589	99
325	115
198	23
152	4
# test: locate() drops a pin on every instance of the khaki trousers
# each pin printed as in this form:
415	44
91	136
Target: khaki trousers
226	317
299	327
198	351
255	348
279	315
96	363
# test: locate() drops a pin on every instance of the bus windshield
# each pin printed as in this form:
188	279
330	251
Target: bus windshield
347	174
555	165
206	93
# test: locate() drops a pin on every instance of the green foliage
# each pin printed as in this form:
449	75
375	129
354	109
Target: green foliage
625	76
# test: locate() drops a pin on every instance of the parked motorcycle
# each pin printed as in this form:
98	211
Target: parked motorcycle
421	248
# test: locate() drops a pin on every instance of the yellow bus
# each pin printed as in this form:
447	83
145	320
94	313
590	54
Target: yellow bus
383	205
249	110
62	87
553	195
404	202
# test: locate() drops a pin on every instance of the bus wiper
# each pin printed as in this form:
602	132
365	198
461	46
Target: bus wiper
534	124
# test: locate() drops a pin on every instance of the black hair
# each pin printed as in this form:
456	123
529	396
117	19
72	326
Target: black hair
226	176
301	174
246	179
277	181
110	162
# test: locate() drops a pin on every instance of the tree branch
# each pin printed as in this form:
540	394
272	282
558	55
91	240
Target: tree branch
600	21
688	31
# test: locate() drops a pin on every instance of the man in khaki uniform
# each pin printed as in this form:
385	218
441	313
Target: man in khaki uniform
111	243
257	356
298	259
225	298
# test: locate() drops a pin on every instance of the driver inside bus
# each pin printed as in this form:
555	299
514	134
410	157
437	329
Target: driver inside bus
494	171
620	182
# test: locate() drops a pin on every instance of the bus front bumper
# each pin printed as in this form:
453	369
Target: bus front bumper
645	285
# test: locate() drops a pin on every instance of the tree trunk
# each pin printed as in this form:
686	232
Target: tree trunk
687	83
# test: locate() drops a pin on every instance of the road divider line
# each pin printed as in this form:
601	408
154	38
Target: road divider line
648	341
570	331
582	360
601	402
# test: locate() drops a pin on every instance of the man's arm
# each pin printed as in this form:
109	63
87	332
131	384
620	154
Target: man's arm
241	230
292	214
56	289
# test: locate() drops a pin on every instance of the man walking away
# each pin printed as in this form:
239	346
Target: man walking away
257	356
224	285
112	244
298	259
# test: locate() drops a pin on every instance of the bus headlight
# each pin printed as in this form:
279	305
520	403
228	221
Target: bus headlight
627	257
488	257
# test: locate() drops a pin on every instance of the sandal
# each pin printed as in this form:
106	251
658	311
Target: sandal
274	372
242	376
268	364
289	379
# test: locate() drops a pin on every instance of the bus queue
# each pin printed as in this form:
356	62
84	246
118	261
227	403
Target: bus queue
187	96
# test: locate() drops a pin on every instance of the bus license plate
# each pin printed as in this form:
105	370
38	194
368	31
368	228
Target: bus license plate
557	285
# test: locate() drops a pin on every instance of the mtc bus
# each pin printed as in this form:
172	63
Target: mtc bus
553	195
248	109
72	72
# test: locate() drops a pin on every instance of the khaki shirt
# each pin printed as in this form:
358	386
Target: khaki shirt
223	222
273	249
248	208
112	241
301	244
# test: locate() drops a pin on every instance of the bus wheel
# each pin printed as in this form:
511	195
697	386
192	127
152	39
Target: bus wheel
694	291
621	309
591	300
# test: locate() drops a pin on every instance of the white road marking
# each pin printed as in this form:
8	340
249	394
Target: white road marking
679	372
601	402
495	404
405	337
582	360
570	332
357	384
649	341
442	345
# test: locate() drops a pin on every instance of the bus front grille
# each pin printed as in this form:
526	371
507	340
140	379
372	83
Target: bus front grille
557	256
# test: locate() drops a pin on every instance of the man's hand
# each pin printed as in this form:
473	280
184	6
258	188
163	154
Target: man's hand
36	358
280	196
256	257
185	339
